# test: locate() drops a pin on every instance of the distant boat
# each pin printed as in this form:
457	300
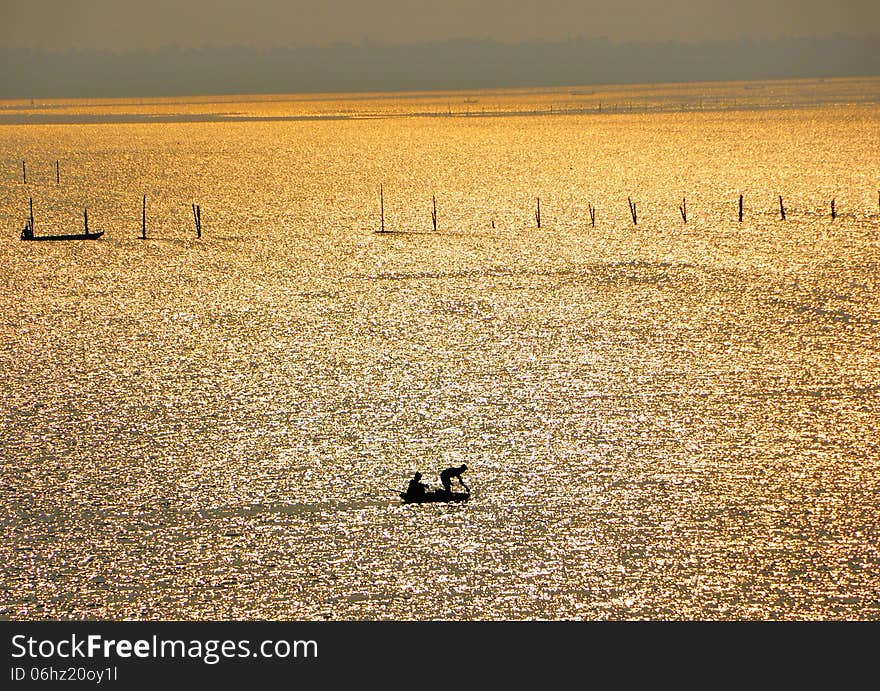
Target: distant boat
438	495
27	234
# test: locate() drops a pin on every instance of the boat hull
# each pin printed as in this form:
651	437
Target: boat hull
438	496
79	236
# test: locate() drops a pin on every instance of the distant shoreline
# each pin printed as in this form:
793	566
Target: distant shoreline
461	64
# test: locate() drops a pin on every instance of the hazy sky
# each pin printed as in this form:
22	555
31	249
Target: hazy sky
120	24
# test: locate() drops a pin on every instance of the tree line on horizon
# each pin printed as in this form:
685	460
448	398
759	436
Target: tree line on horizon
432	65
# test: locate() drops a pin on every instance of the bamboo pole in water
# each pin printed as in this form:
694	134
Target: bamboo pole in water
538	213
144	219
592	215
434	212
57	173
632	211
781	208
740	208
382	209
683	209
86	219
23	173
833	210
31	206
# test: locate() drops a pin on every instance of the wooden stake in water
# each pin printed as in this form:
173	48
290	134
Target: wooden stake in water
781	208
592	215
23	173
57	173
144	219
740	208
538	213
199	218
86	219
833	211
683	209
382	209
632	211
31	205
434	212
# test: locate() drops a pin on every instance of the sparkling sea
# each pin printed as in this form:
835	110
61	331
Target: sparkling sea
666	420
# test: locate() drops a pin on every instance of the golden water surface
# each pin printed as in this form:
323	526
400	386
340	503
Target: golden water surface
665	420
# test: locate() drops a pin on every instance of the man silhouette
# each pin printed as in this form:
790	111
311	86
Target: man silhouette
454	472
416	488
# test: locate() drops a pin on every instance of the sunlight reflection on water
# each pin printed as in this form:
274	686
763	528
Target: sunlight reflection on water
662	421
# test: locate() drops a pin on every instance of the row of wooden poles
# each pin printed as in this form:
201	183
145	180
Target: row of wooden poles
196	211
633	211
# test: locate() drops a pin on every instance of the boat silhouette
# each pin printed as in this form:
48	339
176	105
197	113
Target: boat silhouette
432	496
28	234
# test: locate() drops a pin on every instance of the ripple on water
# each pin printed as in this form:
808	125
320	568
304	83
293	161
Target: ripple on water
662	421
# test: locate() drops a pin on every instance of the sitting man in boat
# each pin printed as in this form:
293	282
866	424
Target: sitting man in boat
454	472
27	232
416	488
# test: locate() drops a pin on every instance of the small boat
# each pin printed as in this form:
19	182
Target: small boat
438	495
27	233
76	236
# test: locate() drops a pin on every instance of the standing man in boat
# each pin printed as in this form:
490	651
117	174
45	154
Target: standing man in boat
454	472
